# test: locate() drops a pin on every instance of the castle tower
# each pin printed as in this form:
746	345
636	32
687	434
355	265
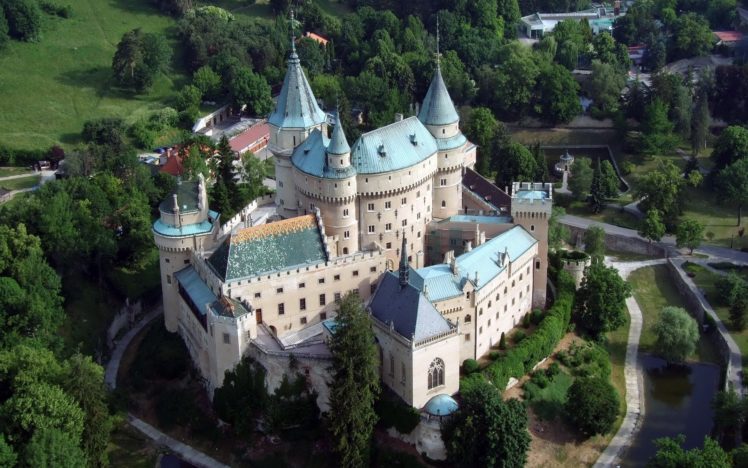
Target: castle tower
339	214
532	204
185	225
439	116
295	116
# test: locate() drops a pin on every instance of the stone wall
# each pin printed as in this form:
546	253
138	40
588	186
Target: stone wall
698	307
620	243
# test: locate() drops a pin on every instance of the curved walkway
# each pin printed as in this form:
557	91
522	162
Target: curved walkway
632	373
185	452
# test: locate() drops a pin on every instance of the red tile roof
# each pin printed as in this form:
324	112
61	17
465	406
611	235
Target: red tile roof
250	137
173	165
729	36
317	37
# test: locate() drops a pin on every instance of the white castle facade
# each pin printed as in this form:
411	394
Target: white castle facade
352	215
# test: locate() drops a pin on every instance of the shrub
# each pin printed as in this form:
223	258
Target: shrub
540	379
394	413
553	370
502	341
470	366
63	11
494	355
526	321
537	316
518	336
592	405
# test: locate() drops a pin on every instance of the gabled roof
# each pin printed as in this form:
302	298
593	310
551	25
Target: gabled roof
437	108
485	189
173	165
249	137
440	283
396	146
296	106
201	296
412	315
269	248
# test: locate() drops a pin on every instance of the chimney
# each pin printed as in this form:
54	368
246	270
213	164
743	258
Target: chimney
398	117
468	246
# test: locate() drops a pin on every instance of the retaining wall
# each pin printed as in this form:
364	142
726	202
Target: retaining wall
620	243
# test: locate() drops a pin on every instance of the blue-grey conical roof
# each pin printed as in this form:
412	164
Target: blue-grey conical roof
296	106
338	142
437	108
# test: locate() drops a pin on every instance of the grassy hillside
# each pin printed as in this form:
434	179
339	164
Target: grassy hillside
48	89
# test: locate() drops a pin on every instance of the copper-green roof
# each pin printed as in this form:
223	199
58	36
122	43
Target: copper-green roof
268	248
187	197
437	108
296	106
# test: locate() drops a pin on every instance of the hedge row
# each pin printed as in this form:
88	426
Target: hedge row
20	157
520	359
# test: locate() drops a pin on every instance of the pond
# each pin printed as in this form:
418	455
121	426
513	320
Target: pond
677	400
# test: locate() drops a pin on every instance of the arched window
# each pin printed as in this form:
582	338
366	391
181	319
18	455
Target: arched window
436	373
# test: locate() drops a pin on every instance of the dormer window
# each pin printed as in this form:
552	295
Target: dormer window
382	152
413	139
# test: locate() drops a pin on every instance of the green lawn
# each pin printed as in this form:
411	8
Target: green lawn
705	280
20	183
718	217
609	215
12	171
51	87
654	290
616	347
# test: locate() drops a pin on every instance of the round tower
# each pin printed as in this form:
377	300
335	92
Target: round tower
185	225
339	187
295	116
439	116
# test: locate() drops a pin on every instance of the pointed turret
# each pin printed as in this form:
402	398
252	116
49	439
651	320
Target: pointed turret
404	268
338	143
438	108
296	106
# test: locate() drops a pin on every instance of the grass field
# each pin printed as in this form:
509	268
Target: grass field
13	171
653	290
705	280
51	87
20	183
616	346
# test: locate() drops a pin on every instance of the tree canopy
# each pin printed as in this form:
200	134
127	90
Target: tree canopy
600	304
592	405
676	334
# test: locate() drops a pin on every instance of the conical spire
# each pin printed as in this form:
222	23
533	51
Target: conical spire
438	108
296	106
338	142
404	268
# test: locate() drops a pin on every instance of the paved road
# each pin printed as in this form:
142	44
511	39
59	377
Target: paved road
112	367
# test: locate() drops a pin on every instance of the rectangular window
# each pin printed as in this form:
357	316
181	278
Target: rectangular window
355	272
336	277
281	309
323	316
187	262
442	182
373	269
321	281
226	338
388	245
467	336
257	295
418	215
405	222
167	260
371	229
337	298
302	285
404	201
370	207
388	227
345	212
278	290
321	299
303	320
346	234
168	279
387	205
302	304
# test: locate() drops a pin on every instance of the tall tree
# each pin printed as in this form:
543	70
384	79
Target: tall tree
699	124
488	431
355	383
594	242
691	37
730	147
515	164
53	447
557	232
596	200
652	227
658	130
670	453
581	178
732	185
662	189
605	87
689	234
729	413
676	335
556	94
250	92
24	19
600	303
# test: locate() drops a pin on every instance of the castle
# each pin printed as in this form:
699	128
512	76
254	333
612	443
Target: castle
445	261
